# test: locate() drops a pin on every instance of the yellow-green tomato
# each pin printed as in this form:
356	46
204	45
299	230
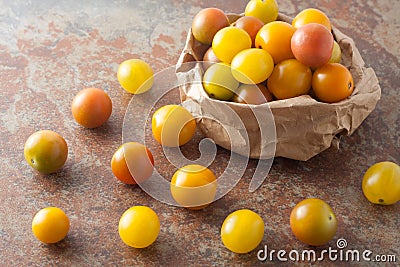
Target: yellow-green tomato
135	76
219	83
252	66
139	226
336	53
46	151
242	231
381	183
50	225
173	125
313	222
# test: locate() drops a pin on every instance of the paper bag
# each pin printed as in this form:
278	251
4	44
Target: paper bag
304	126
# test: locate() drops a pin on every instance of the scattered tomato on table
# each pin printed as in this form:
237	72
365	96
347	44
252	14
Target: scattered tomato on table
50	225
173	125
91	107
132	163
313	222
135	76
193	186
46	151
242	231
139	226
381	183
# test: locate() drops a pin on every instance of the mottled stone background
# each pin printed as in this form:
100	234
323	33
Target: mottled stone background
49	50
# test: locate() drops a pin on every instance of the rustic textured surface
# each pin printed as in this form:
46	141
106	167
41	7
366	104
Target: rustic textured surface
49	50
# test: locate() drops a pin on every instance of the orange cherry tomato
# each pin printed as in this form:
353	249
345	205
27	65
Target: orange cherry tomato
138	158
290	78
91	107
50	225
275	38
332	82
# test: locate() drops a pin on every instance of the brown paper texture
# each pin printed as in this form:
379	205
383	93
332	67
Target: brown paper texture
304	126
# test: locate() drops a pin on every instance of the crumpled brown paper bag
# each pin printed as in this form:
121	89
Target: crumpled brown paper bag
304	126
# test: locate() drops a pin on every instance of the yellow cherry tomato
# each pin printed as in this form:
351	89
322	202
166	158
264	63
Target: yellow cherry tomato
229	41
50	225
135	76
193	186
242	231
265	10
46	151
252	66
381	183
173	125
139	226
311	15
313	222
